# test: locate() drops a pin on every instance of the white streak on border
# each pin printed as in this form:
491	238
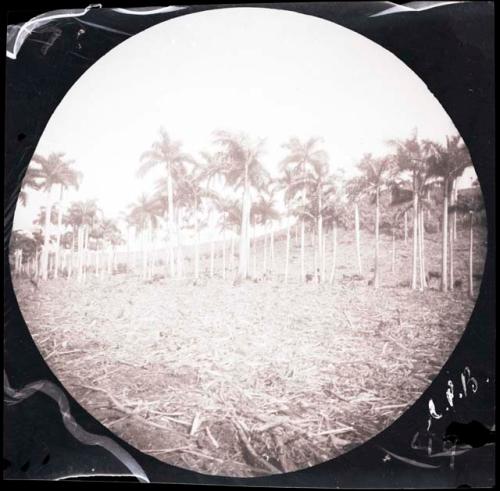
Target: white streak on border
408	7
141	11
15	396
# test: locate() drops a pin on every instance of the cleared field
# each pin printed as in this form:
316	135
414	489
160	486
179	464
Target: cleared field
255	379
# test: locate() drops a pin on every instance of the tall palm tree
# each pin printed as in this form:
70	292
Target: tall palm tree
447	162
81	216
334	213
167	153
285	184
375	173
355	192
265	212
412	160
239	163
300	156
51	171
144	215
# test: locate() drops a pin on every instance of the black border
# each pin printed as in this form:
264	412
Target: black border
451	49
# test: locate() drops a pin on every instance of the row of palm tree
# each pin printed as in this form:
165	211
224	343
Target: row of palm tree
231	191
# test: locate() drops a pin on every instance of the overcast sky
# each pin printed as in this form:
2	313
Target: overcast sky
270	73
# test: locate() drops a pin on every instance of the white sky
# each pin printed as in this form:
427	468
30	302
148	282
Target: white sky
270	73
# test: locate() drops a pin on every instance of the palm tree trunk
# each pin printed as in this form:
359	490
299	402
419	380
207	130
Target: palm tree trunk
180	252
97	259
320	231
296	233
196	247
444	254
302	245
144	254
323	264
254	247
212	253
79	253
224	253
334	253
264	268
415	240
471	255
244	237
287	253
452	268
171	224
358	237
272	246
231	259
393	262
455	199
377	220
406	226
59	226
46	238
423	282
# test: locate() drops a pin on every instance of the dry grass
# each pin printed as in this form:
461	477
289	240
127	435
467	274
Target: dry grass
250	380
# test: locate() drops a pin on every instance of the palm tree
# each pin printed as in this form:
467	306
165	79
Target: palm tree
30	180
82	215
53	170
238	161
334	213
300	156
264	210
167	152
285	183
144	215
374	180
411	158
447	162
355	189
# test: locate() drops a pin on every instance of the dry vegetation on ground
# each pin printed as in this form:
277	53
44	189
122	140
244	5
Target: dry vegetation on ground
256	379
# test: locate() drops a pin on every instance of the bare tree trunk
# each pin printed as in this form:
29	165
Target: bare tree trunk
79	253
302	245
59	226
254	247
196	247
46	237
224	253
415	241
334	253
455	199
376	279
70	266
144	255
358	237
444	257
320	231
452	268
323	264
423	282
171	224
272	246
393	262
406	226
245	233
471	255
264	268
287	253
212	253
97	260
315	251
